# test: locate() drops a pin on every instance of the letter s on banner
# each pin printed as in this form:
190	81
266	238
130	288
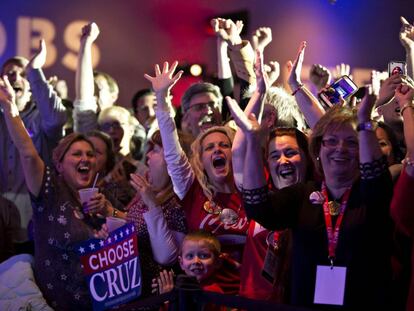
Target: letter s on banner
72	41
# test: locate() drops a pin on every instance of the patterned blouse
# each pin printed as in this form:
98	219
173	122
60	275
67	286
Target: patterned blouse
175	218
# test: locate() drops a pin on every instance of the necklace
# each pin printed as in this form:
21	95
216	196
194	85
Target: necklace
227	216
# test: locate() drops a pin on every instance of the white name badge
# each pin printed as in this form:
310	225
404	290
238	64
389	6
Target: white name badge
330	285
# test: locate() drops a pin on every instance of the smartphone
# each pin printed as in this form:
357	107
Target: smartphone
397	68
344	87
129	168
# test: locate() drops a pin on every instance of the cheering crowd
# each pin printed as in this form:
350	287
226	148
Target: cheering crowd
275	196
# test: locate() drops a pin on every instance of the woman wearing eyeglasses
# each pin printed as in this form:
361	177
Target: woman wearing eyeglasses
206	186
340	226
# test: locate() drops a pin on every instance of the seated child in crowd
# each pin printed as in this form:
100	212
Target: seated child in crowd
200	257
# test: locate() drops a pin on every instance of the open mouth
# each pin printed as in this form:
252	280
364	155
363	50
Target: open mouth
207	121
219	162
84	169
18	90
286	171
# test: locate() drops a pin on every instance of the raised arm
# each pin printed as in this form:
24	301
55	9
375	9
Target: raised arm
369	149
307	102
33	166
253	169
52	111
407	40
85	106
179	168
405	97
254	106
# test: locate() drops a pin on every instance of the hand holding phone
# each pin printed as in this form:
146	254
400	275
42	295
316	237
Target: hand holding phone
343	87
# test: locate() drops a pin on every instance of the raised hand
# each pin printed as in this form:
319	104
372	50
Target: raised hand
406	34
342	70
227	30
261	38
404	94
164	80
89	33
367	105
7	93
39	58
262	82
164	283
273	71
248	124
294	79
142	186
388	87
319	76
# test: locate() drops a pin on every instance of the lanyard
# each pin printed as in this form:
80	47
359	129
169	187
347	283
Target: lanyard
333	233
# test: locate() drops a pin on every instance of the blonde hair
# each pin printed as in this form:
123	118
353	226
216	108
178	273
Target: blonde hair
196	158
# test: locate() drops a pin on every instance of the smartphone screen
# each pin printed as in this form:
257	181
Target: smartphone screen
397	68
343	87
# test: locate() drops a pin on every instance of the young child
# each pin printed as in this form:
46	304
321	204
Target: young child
200	258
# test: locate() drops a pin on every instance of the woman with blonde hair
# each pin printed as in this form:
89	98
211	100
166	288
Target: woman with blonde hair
210	199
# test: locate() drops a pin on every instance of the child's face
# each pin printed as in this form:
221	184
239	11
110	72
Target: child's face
197	259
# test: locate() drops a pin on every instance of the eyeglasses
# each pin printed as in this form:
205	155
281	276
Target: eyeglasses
227	216
350	144
202	106
114	125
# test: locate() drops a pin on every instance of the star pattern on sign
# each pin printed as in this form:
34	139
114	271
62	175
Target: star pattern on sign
77	296
62	220
51	218
101	243
127	231
66	235
116	237
81	250
47	262
109	240
121	234
92	246
63	277
49	286
63	207
65	256
132	229
50	241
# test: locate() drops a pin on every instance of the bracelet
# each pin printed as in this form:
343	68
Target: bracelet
408	105
115	212
367	126
407	161
298	89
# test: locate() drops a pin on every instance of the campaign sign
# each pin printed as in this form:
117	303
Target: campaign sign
112	268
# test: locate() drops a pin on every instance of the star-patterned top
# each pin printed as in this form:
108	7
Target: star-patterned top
58	227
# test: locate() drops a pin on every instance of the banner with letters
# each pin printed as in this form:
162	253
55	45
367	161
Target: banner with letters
112	268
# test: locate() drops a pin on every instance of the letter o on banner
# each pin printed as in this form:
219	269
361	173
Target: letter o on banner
3	39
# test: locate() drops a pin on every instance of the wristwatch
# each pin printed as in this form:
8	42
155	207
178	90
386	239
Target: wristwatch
367	126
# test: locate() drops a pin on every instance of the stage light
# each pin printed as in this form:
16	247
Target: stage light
196	70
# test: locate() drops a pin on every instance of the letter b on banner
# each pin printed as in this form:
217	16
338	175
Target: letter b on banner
27	40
